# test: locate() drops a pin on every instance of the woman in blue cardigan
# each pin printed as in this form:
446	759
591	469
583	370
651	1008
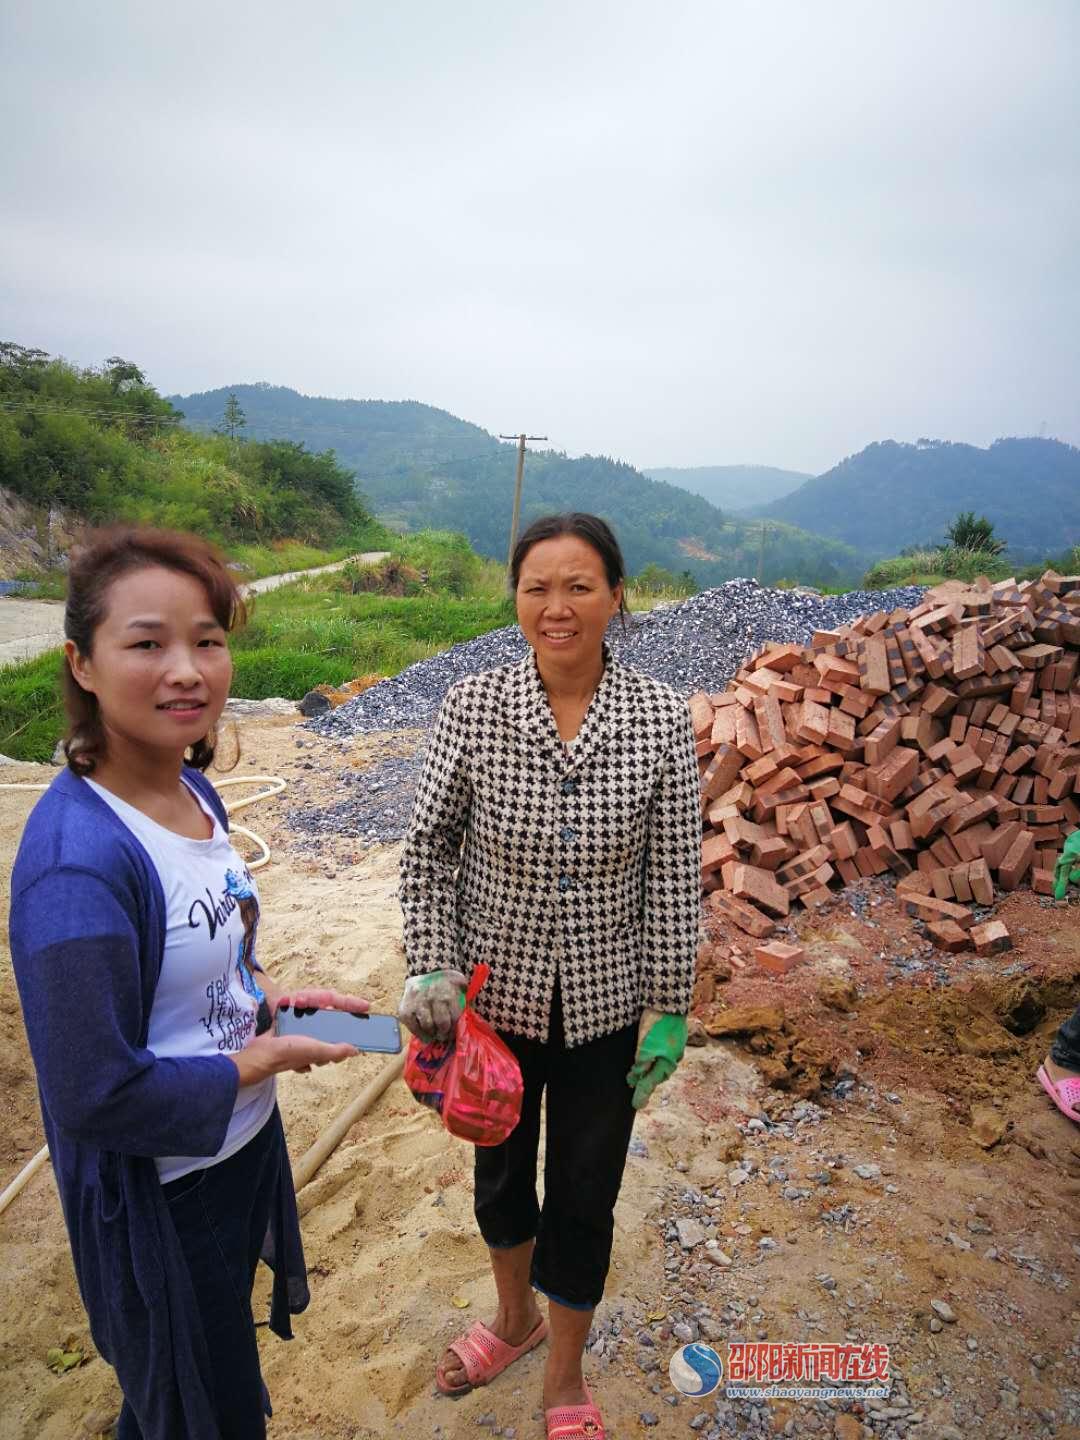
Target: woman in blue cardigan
133	935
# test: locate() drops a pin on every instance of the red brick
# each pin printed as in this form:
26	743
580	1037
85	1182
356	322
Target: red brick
992	938
771	852
982	886
716	851
995	849
746	916
894	774
777	957
746	882
961	884
964	763
701	715
1017	861
942	885
977	810
947	935
873	667
722	772
882	740
929	907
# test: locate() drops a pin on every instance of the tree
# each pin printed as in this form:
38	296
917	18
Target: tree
123	374
967	533
233	418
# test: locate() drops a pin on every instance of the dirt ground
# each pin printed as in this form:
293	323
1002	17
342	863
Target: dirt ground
917	1052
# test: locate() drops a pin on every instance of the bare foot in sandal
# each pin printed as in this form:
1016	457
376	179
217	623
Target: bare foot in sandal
1069	1101
514	1330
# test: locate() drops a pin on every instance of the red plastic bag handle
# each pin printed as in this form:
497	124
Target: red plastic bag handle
476	984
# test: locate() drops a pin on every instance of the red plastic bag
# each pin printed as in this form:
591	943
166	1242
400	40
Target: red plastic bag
473	1081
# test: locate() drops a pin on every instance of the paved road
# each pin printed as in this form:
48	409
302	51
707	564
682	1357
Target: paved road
271	582
30	627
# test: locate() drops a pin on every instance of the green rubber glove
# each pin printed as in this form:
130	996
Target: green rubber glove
661	1042
1064	874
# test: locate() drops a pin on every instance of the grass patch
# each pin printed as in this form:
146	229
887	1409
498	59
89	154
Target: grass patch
314	631
931	567
31	711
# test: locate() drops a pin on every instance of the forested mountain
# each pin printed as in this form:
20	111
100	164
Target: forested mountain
421	467
894	495
103	444
733	487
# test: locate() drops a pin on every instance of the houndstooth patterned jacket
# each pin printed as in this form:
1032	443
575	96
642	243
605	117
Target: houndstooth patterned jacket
537	863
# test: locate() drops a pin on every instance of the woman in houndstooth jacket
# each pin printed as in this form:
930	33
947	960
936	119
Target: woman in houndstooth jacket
556	835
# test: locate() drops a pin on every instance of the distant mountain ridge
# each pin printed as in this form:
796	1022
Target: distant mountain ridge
893	495
733	487
421	467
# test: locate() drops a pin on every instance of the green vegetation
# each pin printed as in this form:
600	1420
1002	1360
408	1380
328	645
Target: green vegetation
425	469
106	446
891	495
970	549
31	712
655	583
253	562
315	632
932	566
967	533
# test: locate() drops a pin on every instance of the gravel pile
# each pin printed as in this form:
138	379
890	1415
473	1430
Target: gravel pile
695	645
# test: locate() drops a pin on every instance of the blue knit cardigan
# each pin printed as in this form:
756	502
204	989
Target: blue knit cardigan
87	938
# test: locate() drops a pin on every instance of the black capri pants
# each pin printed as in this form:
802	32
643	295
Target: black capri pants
590	1117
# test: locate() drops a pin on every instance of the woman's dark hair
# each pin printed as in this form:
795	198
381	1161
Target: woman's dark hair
590	528
102	557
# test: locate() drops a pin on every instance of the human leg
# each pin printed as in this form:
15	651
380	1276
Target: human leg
590	1120
1059	1074
221	1215
507	1213
1065	1051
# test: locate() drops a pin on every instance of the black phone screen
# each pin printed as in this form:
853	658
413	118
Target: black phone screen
380	1033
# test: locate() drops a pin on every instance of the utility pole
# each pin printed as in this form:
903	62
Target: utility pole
761	557
517	488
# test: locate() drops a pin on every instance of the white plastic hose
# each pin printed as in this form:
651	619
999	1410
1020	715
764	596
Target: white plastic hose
276	783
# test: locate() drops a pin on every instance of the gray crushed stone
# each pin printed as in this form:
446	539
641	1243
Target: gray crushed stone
697	644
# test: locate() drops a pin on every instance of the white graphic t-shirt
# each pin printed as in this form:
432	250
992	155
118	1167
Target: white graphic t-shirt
207	996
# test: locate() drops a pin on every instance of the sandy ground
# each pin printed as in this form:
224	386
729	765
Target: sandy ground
397	1267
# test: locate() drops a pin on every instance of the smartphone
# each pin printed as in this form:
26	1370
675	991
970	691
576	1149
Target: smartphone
379	1033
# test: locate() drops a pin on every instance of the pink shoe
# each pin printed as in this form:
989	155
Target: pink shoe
484	1355
1064	1093
575	1422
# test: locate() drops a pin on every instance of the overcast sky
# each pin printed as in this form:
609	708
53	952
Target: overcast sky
679	232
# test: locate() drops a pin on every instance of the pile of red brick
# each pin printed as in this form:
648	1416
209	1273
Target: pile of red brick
940	743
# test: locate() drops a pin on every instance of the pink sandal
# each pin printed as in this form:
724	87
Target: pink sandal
484	1355
575	1422
1064	1093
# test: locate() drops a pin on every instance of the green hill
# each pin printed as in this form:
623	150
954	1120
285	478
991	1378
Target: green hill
423	468
733	487
891	495
103	444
